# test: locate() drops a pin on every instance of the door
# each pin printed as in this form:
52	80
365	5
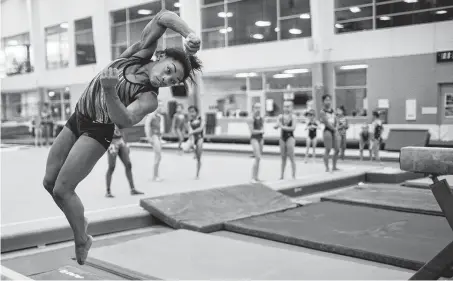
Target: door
446	104
255	97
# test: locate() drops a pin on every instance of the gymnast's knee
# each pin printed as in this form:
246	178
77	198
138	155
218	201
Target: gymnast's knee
48	185
128	166
62	190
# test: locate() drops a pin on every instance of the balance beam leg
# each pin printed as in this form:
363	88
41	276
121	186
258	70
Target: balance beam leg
444	197
435	268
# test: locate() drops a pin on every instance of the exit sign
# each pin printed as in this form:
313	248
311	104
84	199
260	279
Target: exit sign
445	56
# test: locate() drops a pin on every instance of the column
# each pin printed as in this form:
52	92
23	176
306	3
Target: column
37	39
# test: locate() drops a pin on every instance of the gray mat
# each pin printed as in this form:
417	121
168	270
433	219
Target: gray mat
426	182
392	197
402	239
187	255
207	210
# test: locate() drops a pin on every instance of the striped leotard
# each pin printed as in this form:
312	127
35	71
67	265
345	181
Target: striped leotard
92	103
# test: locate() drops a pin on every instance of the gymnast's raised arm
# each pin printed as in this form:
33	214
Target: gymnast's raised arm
154	30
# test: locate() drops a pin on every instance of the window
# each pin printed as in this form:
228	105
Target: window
127	26
85	50
16	54
356	15
57	48
60	103
351	89
20	106
230	23
448	105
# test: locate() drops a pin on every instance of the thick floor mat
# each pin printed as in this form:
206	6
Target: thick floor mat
396	238
392	197
426	182
207	210
390	175
187	255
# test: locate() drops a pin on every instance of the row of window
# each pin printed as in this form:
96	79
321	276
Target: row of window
357	15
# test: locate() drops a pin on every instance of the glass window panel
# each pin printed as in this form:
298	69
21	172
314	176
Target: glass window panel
57	46
16	55
119	34
85	50
173	42
83	24
145	11
212	39
256	83
212	17
344	15
294	7
351	77
401	7
172	5
64	49
354	101
136	29
295	28
354	26
350	3
207	2
118	50
277	100
247	20
118	16
302	101
275	80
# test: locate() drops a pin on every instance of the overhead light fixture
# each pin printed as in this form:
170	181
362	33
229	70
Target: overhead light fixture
305	16
355	10
296	70
64	25
244	75
411	1
352	67
177	5
283	75
13	42
225	15
262	23
339	25
66	89
225	30
258	36
295	31
144	12
51	93
441	12
384	18
277	29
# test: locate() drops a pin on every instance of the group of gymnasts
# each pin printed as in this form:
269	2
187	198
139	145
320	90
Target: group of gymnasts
334	135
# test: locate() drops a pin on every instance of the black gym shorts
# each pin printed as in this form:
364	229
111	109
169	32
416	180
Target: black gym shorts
83	125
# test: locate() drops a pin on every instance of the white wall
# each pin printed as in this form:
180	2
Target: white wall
14	18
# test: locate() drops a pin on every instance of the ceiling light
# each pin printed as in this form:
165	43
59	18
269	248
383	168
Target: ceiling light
66	89
441	12
356	66
51	93
225	15
244	75
228	29
144	12
262	23
13	42
64	25
258	36
305	16
177	5
283	75
355	9
295	31
277	29
339	25
384	18
296	70
411	1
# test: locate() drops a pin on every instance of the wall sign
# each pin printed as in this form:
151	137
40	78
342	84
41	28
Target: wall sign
411	110
445	56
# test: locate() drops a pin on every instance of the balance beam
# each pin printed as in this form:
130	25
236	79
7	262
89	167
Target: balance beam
433	162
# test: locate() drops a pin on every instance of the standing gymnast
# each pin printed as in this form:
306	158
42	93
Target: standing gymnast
196	133
178	124
287	125
153	132
377	135
330	135
122	94
118	147
312	128
343	127
256	140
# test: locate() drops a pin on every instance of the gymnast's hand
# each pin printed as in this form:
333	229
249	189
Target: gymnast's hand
109	78
192	43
